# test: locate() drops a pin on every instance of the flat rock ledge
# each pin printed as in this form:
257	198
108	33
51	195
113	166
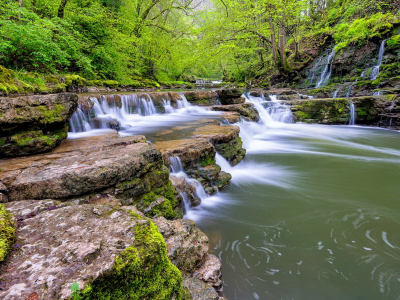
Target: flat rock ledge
114	170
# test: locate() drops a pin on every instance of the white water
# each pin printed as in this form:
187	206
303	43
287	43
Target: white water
327	72
134	114
352	120
177	170
336	93
375	69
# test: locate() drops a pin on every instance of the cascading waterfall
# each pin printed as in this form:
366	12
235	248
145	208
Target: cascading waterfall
271	112
375	69
326	64
129	111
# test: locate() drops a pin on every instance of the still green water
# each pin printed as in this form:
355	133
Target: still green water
313	212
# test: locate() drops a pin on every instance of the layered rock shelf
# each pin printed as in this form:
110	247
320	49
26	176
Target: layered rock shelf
34	124
379	111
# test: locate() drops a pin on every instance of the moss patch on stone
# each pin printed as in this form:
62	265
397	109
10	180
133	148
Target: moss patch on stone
51	115
7	232
142	271
166	209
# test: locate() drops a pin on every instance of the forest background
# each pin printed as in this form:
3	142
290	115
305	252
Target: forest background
150	43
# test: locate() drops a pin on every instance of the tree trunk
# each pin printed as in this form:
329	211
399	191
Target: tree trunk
273	38
20	6
282	44
61	9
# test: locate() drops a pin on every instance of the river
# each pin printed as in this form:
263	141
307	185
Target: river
313	212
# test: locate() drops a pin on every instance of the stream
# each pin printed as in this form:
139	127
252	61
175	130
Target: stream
312	212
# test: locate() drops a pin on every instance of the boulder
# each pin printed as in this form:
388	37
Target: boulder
34	124
202	98
61	246
230	96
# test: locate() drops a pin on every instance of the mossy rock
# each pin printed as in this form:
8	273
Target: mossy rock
31	142
142	271
7	232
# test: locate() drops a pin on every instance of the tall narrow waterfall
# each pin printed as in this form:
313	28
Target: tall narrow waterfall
321	71
375	69
352	119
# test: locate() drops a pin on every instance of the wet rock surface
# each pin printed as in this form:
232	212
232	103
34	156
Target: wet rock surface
245	110
34	124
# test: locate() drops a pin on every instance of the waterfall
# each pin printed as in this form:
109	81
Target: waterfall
104	111
79	122
352	120
327	71
177	170
272	112
336	93
168	107
348	94
375	69
183	103
378	93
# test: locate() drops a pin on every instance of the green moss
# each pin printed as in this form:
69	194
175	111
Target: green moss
393	42
231	149
207	160
75	80
142	271
51	115
111	83
38	139
7	232
165	209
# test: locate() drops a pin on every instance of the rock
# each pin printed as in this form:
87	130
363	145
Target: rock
119	169
246	110
98	123
337	111
230	96
210	271
184	187
186	244
202	98
199	290
34	124
62	246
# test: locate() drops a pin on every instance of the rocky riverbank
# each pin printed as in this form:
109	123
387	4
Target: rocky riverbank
54	204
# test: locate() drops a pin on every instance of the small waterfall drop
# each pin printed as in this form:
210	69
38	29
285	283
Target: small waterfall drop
335	93
177	170
79	122
375	69
352	120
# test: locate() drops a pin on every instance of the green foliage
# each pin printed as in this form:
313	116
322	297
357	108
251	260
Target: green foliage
7	232
361	30
142	271
75	292
393	42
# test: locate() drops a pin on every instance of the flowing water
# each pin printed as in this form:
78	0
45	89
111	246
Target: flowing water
321	71
375	69
312	212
